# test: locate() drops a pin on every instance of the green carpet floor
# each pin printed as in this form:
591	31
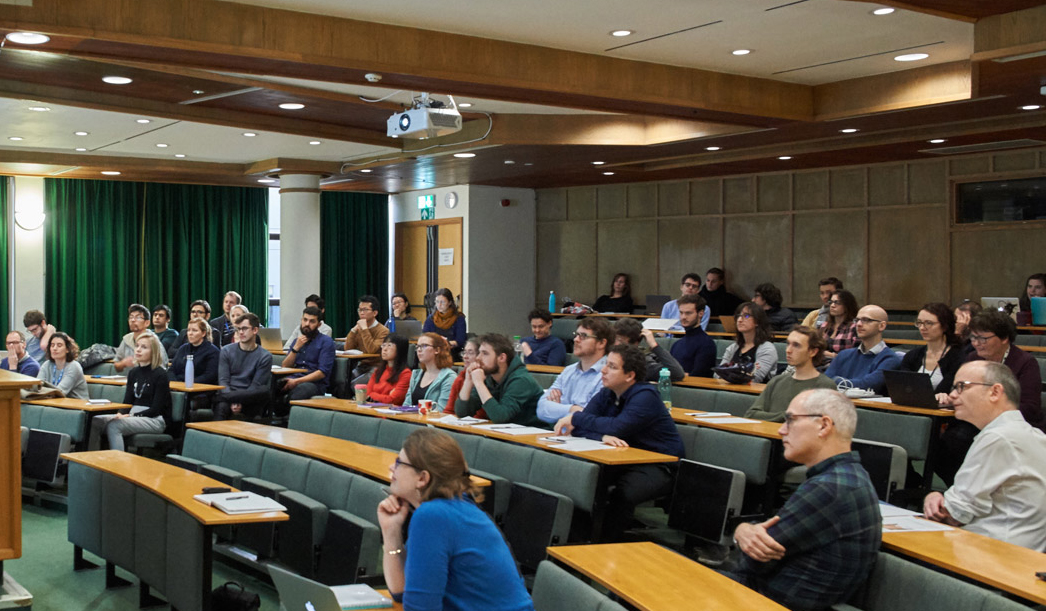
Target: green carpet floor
46	570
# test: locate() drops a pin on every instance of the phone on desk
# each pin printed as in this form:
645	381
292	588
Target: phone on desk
216	489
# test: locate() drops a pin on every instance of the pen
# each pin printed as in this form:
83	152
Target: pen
235	498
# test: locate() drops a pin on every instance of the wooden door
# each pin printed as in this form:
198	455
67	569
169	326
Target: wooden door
412	260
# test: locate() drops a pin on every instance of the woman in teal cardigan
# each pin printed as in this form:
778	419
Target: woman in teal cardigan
434	376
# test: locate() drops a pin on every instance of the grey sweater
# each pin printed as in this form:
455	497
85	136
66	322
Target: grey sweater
242	370
774	400
73	383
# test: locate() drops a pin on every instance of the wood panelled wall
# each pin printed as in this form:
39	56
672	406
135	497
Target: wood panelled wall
886	230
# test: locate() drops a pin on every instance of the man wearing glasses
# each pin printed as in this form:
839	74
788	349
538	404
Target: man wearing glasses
579	382
821	546
367	337
138	323
689	285
863	366
18	360
246	373
1000	490
39	333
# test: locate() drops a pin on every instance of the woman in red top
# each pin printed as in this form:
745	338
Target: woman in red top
388	384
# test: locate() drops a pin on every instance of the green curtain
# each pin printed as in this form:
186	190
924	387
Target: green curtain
5	218
109	244
354	260
202	241
91	253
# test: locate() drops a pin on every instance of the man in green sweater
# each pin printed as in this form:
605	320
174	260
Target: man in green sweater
805	352
499	383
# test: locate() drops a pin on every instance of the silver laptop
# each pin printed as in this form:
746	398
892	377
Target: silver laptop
409	329
300	594
999	304
270	339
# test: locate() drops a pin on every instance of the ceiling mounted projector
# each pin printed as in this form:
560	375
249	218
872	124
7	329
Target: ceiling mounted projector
427	119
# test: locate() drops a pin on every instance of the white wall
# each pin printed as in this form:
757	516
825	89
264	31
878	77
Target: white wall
27	254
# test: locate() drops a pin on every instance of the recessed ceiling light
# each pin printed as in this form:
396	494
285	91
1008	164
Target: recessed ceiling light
144	121
179	155
15	138
292	106
712	148
161	145
266	180
528	164
883	11
465	105
849	130
509	162
741	51
622	33
39	108
938	141
608	173
199	91
911	57
1031	107
110	173
368	171
116	80
80	150
81	133
784	158
28	38
249	134
464	155
598	162
315	142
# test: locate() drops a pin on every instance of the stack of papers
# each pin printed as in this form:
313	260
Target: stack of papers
896	519
239	502
98	401
575	444
466	421
512	429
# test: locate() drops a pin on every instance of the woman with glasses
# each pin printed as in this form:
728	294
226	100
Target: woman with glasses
440	550
391	378
446	320
753	344
942	355
840	328
434	376
468	355
60	368
149	394
205	354
620	298
400	309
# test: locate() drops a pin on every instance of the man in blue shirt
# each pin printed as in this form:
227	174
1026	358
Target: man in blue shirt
628	412
863	366
18	360
690	285
579	382
40	334
541	348
696	351
313	351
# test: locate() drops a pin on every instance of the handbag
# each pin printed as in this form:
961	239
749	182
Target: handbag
735	374
232	596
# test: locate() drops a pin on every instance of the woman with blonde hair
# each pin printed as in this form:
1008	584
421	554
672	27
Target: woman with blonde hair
451	556
148	392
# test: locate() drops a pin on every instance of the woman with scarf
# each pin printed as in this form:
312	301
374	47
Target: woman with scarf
447	321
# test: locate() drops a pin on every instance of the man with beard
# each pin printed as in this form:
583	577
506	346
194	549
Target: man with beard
499	383
312	351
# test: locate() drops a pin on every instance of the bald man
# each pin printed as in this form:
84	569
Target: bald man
863	366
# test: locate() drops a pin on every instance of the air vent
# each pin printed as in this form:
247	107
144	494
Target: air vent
984	146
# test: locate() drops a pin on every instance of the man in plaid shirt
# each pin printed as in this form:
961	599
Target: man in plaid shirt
822	544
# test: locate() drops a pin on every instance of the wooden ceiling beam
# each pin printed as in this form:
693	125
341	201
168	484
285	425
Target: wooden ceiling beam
936	84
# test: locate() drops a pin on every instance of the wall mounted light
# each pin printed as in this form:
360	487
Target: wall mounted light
30	221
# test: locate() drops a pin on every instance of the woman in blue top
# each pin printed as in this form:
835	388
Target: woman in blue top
447	321
452	556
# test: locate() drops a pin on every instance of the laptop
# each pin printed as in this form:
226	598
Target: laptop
1000	304
409	329
270	339
910	388
654	303
729	323
300	594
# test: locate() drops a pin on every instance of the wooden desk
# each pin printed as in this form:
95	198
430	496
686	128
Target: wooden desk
760	428
604	315
652	578
175	386
367	460
998	564
286	371
556	369
340	356
83	406
11	463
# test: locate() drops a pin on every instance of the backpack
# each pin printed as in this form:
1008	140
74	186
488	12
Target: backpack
97	353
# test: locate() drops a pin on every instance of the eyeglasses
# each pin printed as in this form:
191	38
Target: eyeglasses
959	387
867	321
980	339
131	318
691	285
926	324
33	329
743	316
363	310
243	329
198	312
583	336
791	418
420	346
469	353
402	463
834	302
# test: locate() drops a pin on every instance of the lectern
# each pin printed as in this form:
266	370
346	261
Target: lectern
11	464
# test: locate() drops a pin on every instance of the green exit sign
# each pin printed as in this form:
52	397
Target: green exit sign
427	205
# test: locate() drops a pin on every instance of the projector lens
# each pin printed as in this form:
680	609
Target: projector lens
404	122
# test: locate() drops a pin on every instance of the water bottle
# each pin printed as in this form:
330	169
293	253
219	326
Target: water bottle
551	301
518	345
664	386
190	371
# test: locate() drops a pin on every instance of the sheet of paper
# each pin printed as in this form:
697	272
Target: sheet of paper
385	410
659	324
574	444
349	352
887	510
879	399
912	524
512	429
733	420
466	421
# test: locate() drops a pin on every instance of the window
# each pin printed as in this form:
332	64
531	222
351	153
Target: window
1001	201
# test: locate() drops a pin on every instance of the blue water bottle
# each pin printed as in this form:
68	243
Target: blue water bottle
190	371
551	301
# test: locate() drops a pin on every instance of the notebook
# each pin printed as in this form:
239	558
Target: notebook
300	594
239	502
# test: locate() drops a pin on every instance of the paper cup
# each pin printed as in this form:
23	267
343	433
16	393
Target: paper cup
361	392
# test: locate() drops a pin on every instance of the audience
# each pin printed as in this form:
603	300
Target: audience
695	351
446	321
148	392
689	285
753	344
720	302
822	544
440	550
825	288
18	360
312	351
628	412
400	311
1000	490
246	373
840	327
223	323
389	382
60	368
862	367
575	386
434	376
804	353
40	333
620	298
199	309
768	297
1035	286
628	332
468	356
500	384
137	322
161	319
205	355
312	301
541	348
367	336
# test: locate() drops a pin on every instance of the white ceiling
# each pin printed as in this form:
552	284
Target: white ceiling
797	35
